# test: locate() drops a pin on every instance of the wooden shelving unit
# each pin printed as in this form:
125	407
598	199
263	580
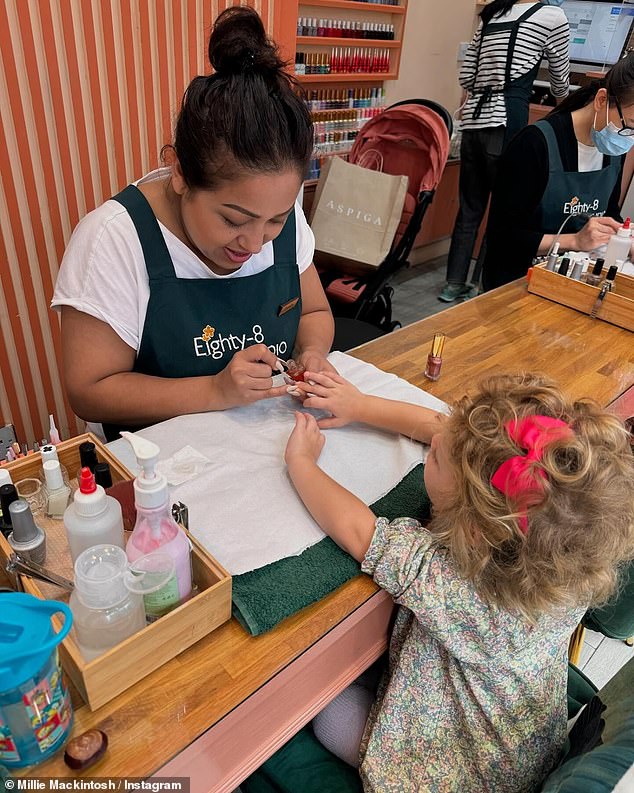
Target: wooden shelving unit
361	12
391	17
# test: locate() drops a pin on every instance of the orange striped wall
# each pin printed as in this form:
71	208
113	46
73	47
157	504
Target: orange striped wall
88	93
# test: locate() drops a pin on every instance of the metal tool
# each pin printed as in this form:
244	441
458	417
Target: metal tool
19	565
605	288
180	513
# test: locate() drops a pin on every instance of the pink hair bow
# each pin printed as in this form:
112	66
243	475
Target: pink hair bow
517	477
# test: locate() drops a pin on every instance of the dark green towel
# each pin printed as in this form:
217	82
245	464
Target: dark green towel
264	597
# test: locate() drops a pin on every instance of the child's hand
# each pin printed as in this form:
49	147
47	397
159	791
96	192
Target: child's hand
333	393
305	441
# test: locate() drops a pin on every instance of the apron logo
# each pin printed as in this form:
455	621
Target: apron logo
208	333
575	206
290	304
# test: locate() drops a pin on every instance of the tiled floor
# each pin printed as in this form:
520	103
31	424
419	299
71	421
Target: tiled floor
416	296
416	291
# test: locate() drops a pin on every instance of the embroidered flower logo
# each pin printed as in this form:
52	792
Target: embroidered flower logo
208	333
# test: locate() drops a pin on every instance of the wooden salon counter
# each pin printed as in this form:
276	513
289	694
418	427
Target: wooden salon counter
219	709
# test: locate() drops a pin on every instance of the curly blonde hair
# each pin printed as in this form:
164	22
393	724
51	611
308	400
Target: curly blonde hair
581	533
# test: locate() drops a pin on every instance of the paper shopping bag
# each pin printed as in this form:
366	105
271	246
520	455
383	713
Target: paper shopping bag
356	211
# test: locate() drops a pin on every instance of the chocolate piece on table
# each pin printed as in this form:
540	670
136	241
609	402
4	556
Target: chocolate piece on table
84	750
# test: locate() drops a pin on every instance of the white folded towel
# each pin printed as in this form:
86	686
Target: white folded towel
242	506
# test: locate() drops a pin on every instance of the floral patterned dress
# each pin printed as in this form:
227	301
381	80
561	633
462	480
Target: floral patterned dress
474	699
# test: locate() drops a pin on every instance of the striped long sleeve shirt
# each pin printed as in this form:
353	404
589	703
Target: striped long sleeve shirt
545	34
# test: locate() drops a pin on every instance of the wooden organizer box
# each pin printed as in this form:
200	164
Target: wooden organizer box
617	307
103	678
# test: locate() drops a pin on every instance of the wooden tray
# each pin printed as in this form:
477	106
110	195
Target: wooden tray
617	307
103	678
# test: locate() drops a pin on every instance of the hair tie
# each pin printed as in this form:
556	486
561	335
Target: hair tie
249	60
517	477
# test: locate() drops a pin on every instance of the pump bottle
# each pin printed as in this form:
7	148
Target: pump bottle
619	245
155	528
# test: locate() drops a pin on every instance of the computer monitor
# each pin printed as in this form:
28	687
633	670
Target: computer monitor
599	31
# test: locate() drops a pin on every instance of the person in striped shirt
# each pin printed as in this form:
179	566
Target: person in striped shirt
498	72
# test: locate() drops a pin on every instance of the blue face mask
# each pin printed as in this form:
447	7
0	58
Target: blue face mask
608	141
552	2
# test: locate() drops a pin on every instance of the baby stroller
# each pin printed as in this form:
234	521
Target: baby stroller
409	138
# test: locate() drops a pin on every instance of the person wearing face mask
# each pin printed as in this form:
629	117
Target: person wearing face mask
180	294
498	72
568	165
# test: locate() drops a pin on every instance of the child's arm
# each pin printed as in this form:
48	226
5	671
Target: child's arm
333	393
338	512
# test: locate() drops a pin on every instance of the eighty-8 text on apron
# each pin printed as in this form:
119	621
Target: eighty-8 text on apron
219	345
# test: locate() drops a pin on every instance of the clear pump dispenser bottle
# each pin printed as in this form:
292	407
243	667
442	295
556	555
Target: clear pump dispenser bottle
155	528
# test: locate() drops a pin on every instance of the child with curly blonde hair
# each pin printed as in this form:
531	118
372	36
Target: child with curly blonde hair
532	514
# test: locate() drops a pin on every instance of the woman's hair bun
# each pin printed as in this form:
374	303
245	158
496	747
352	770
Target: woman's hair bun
239	44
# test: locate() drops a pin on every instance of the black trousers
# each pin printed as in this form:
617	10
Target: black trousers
480	151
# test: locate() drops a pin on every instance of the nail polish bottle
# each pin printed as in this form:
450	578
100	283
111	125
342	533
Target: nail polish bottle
434	359
58	492
563	267
594	278
8	494
27	539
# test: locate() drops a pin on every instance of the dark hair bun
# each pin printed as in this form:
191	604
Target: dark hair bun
239	44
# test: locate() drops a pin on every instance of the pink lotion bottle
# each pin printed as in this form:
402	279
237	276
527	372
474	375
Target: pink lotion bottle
155	528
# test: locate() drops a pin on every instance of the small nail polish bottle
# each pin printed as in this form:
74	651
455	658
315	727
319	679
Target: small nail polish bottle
27	539
58	492
434	359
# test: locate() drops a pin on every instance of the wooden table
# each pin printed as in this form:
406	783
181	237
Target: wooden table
219	709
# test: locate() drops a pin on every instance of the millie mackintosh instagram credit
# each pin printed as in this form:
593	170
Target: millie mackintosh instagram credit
126	784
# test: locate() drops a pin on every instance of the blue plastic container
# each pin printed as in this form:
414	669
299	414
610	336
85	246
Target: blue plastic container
36	714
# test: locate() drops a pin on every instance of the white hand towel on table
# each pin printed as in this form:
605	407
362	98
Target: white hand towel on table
243	507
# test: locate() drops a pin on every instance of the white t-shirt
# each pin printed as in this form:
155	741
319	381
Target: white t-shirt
589	158
103	271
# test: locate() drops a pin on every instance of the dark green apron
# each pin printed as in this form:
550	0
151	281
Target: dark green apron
517	93
572	192
194	326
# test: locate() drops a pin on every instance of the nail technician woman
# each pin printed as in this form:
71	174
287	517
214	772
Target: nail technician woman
499	69
568	163
180	294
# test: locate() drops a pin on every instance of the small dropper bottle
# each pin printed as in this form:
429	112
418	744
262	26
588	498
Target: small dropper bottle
53	431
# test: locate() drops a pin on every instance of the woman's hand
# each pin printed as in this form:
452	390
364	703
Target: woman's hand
315	361
305	441
595	233
248	377
333	393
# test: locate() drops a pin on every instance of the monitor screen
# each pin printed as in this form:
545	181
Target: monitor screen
599	30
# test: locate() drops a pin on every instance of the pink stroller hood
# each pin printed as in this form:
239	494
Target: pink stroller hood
410	140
